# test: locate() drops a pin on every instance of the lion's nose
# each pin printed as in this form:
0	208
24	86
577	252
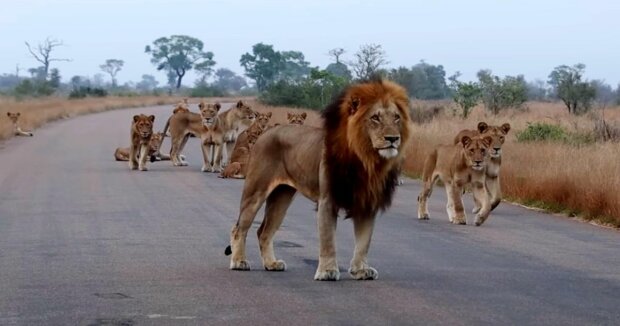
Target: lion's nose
496	149
392	139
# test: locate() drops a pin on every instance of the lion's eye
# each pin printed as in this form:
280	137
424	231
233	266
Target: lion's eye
471	150
483	152
501	138
375	118
397	118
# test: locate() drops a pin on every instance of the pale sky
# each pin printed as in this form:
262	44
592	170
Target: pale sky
527	37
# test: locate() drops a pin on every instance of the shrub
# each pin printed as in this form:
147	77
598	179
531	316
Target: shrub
83	92
554	133
204	90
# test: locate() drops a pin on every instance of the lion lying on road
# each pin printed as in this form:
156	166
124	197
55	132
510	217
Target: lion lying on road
17	131
351	164
122	153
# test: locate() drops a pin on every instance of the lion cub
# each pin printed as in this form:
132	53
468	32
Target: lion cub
296	118
241	153
498	133
17	131
458	165
141	134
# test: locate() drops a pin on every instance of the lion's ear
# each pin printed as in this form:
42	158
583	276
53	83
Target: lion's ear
304	115
268	114
201	105
218	106
506	128
8	114
465	140
18	114
152	118
355	104
239	104
136	118
482	127
487	141
288	115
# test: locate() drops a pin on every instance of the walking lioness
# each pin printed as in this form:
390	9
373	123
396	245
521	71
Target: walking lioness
458	165
351	164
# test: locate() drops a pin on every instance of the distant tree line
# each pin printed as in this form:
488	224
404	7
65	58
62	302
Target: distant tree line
284	77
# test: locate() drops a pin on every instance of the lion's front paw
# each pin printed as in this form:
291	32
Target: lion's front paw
479	220
143	168
241	265
367	273
206	169
327	275
424	216
276	266
459	221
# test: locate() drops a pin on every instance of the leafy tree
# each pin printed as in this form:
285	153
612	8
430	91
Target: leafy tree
147	84
536	90
227	80
567	85
266	65
422	81
43	54
368	60
339	69
112	67
498	94
605	95
54	78
178	54
466	95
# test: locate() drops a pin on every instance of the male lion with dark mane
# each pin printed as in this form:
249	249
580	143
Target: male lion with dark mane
351	164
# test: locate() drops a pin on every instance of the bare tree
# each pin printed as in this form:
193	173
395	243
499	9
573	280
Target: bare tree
336	53
112	67
368	60
43	53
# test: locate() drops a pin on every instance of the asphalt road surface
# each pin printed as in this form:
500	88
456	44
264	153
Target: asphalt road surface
86	241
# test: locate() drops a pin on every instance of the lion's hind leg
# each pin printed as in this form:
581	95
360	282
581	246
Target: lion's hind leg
278	202
426	192
251	201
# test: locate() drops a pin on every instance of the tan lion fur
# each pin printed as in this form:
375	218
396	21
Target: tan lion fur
17	130
350	164
498	133
141	134
457	166
241	153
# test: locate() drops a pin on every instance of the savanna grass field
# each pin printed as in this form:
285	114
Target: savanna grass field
579	178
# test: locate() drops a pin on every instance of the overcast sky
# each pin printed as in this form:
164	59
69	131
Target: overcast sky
527	37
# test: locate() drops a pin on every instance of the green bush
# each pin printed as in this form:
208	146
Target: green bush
540	131
33	88
207	91
83	92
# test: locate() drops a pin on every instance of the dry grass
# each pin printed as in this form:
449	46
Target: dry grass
564	178
36	112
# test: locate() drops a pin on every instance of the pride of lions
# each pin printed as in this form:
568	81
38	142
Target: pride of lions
351	164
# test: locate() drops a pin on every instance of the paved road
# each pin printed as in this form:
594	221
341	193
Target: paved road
86	241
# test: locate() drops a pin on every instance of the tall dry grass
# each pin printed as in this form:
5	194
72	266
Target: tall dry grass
36	112
579	180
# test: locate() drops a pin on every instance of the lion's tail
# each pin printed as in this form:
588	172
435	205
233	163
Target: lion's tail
228	251
167	126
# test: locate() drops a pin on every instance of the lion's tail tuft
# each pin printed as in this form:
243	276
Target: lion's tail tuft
228	251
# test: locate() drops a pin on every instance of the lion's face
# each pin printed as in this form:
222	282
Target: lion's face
13	116
155	143
263	119
383	123
209	112
498	134
476	151
296	118
143	125
243	111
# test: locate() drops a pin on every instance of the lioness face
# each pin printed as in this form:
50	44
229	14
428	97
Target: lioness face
498	134
296	118
476	151
208	112
143	125
243	111
263	119
13	116
156	141
384	125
